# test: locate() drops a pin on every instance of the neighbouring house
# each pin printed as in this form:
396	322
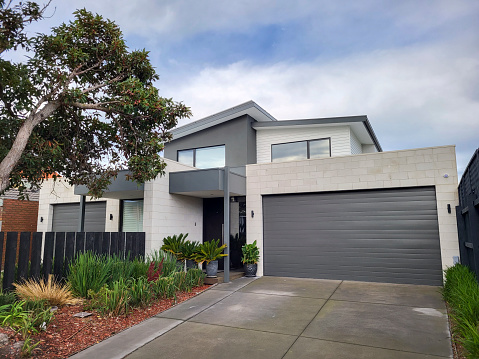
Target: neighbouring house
18	215
319	196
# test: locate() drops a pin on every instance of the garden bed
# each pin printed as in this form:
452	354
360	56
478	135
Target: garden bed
67	335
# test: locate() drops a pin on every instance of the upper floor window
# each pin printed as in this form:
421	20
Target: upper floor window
204	157
301	150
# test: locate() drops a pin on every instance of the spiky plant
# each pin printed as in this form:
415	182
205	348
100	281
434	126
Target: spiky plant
174	244
209	251
51	291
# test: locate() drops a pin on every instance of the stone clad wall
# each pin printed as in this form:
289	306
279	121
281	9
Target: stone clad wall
406	168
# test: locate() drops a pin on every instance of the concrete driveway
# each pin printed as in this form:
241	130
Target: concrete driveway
289	318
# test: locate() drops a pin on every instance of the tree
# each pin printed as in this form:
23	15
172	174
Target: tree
82	105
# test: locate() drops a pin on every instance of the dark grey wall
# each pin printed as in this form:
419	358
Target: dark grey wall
237	135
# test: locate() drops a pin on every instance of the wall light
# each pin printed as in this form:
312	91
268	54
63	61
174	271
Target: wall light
252	214
448	208
41	219
111	217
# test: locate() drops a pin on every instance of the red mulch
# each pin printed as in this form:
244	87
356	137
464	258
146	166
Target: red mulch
67	335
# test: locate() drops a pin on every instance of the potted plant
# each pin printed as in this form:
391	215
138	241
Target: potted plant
209	252
250	259
174	244
188	253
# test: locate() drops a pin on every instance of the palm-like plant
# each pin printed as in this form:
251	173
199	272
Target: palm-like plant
174	244
209	251
189	250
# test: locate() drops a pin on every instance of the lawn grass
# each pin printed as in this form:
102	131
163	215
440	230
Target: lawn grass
461	292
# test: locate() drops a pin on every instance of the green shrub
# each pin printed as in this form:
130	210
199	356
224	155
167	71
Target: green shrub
164	287
170	264
195	278
174	244
461	291
179	280
89	272
8	298
111	301
140	293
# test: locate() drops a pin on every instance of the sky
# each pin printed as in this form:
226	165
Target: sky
411	66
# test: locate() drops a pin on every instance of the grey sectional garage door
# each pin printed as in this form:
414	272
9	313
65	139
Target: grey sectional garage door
375	235
65	217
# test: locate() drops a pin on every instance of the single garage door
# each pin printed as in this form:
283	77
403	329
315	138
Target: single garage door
373	235
65	217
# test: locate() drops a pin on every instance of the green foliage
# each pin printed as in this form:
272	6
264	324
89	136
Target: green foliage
461	291
250	253
170	264
26	317
164	287
140	292
89	271
195	278
188	251
13	20
8	298
174	244
209	251
85	105
111	301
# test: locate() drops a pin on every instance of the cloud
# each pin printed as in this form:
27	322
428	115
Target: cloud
182	18
414	97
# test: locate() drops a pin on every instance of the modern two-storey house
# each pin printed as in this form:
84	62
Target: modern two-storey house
319	196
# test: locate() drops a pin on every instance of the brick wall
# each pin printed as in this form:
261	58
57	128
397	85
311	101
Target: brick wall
19	216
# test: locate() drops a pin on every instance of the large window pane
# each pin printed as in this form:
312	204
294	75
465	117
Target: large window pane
293	151
132	216
210	157
186	157
319	148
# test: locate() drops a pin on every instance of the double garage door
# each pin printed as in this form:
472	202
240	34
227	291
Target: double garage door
373	235
65	217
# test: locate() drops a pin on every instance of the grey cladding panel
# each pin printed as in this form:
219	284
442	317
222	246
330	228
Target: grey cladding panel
375	235
65	217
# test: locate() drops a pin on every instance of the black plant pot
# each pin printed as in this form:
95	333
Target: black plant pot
191	264
250	270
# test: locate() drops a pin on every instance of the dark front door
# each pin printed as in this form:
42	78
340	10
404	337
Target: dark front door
213	217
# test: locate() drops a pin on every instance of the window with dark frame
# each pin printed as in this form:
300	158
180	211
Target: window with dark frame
203	157
301	150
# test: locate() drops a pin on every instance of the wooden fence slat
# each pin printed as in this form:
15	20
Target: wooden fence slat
121	245
105	246
48	254
80	242
1	250
10	259
36	256
89	241
142	244
114	250
129	246
97	242
69	249
59	255
23	256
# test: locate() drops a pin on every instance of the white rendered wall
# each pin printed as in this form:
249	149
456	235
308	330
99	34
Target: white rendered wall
407	168
356	148
265	137
369	148
59	191
166	214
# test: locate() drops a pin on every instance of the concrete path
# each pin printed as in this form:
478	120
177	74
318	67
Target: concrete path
273	317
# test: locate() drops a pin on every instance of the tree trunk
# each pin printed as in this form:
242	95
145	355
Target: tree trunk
13	156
